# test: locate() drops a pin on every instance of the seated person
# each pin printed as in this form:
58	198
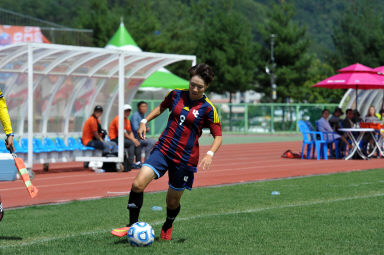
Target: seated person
148	143
356	116
380	115
370	118
335	120
130	142
93	134
324	126
371	115
348	121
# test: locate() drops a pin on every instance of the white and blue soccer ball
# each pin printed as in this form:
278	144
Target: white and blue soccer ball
141	234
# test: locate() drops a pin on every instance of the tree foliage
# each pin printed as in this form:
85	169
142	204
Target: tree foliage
313	40
290	52
359	36
228	48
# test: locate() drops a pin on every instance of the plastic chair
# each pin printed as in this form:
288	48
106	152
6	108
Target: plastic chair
61	144
18	148
48	143
312	142
38	146
3	148
331	141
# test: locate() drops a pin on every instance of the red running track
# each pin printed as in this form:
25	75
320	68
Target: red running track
232	164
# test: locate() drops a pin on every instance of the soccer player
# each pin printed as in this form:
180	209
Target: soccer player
130	142
6	121
177	149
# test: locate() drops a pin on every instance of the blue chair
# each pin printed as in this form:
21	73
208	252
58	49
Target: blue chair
330	139
61	144
76	143
38	146
18	148
48	143
311	140
81	144
3	148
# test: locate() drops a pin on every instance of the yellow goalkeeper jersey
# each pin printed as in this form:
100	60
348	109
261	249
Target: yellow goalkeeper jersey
4	116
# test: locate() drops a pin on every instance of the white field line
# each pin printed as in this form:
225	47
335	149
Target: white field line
234	212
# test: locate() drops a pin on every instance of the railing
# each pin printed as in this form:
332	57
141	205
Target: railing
252	118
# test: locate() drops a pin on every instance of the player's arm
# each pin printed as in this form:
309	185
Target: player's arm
152	115
207	159
6	121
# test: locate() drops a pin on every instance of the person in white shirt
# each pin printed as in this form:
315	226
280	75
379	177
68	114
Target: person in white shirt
324	126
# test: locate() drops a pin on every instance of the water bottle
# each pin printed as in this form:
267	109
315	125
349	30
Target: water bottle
157	208
275	193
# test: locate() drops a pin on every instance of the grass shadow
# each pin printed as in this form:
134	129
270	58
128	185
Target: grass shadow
18	238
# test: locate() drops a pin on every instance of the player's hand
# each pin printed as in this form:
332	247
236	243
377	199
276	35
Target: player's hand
206	162
10	143
142	131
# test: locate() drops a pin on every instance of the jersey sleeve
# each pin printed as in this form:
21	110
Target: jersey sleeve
213	122
167	102
4	116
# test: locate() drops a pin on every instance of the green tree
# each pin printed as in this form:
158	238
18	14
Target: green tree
226	44
290	52
100	19
359	36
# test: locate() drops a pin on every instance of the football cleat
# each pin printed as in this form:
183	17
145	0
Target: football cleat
166	235
120	232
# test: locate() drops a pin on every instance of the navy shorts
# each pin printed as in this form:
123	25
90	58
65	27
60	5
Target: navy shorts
180	175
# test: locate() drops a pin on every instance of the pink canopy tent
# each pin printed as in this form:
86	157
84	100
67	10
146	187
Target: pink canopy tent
356	76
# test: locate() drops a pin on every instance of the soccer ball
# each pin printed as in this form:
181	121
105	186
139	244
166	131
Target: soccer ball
141	234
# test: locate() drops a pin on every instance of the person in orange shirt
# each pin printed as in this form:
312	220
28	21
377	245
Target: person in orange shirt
93	134
130	142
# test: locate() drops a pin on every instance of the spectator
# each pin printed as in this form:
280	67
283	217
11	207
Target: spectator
348	121
380	115
148	143
356	116
371	115
329	135
130	142
335	120
93	134
370	118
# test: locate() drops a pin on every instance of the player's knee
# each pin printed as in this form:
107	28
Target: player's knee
173	203
138	186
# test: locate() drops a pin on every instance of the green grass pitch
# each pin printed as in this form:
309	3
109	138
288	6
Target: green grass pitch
328	214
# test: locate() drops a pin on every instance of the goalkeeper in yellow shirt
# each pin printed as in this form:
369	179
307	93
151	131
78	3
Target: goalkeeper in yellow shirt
7	126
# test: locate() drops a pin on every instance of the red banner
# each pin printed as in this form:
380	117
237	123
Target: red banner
18	34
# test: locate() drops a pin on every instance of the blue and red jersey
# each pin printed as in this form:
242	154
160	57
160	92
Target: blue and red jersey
180	140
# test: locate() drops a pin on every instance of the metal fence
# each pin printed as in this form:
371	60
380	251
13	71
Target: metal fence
252	118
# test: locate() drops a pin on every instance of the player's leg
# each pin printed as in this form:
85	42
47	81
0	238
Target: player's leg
1	210
180	178
136	196
173	209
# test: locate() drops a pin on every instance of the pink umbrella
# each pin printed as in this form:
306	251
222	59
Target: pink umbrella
356	76
356	68
379	70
